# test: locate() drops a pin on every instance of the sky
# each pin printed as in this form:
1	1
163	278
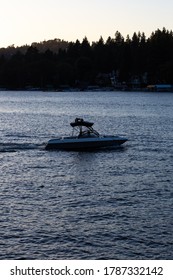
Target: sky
26	21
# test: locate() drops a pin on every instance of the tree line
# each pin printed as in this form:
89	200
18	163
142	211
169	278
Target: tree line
116	61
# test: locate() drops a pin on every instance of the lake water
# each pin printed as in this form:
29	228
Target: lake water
105	204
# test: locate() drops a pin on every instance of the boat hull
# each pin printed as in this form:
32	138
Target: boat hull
83	144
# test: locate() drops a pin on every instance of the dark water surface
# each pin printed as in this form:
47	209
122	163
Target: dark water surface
106	204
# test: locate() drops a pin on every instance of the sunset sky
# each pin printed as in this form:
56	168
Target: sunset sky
26	21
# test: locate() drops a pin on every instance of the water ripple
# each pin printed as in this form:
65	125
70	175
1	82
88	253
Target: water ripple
107	204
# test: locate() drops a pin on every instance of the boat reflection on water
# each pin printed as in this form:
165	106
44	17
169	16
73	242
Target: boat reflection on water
84	137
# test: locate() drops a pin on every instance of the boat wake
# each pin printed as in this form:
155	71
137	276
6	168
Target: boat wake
14	147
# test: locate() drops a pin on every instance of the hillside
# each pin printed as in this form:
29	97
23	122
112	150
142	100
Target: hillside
121	63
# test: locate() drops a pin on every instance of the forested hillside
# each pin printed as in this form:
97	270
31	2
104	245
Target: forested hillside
117	61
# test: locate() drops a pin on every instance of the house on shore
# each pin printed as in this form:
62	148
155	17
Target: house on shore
160	88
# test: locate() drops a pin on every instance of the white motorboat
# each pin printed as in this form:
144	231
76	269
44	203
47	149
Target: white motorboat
86	138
